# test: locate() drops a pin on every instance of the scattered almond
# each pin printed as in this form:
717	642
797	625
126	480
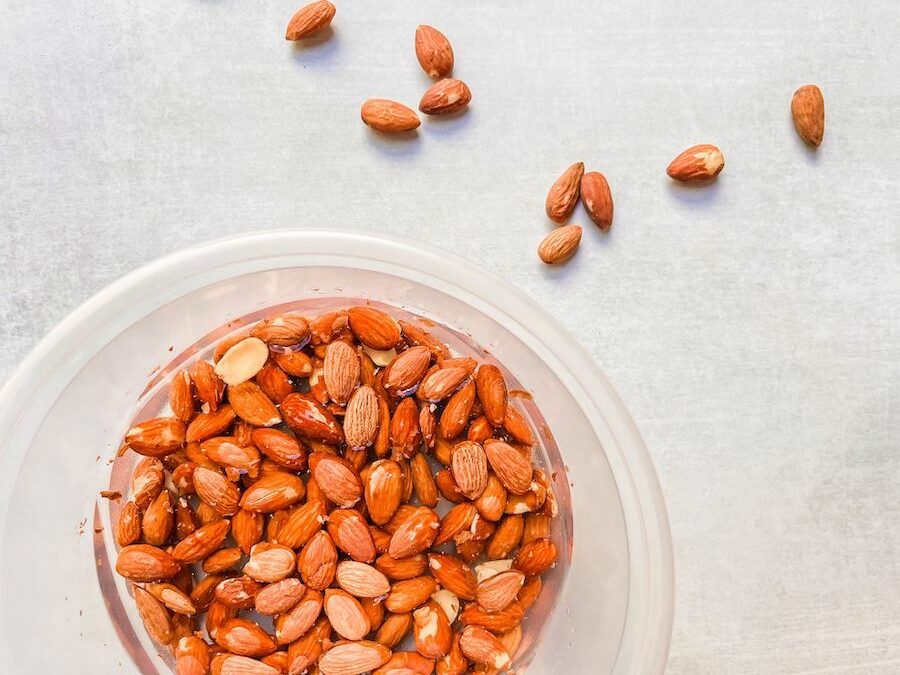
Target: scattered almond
699	163
434	52
388	116
560	245
445	97
808	112
309	20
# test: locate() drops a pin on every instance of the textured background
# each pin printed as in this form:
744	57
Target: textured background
750	326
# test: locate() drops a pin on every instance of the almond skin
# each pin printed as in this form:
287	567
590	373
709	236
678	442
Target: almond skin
697	164
808	112
453	574
384	490
201	543
445	97
563	194
535	557
317	561
361	580
374	328
388	116
245	638
434	52
281	448
309	20
408	594
560	245
340	371
362	419
492	392
597	199
468	464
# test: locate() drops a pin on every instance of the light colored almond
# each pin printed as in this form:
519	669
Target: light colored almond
448	601
250	404
142	562
336	478
346	615
500	590
270	563
243	361
353	658
362	418
361	580
560	245
245	638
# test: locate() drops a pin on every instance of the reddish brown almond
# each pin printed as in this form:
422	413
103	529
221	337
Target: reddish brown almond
208	385
423	481
457	519
560	245
432	631
405	433
147	481
216	490
279	597
492	502
403	568
389	117
439	384
317	561
310	419
406	370
415	335
281	448
301	523
434	52
273	492
284	330
482	647
361	580
516	426
222	560
445	97
156	618
181	398
393	629
201	543
157	437
141	562
270	563
295	364
456	413
309	20
453	574
340	371
427	424
207	425
506	537
492	393
361	421
447	486
159	519
346	615
808	112
245	638
374	328
498	622
406	663
696	164
416	534
469	466
300	618
326	327
384	490
247	529
408	594
128	528
513	470
500	590
455	663
191	656
535	557
351	534
354	658
563	194
597	199
252	405
336	478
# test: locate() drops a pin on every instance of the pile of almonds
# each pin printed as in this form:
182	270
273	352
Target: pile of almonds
294	479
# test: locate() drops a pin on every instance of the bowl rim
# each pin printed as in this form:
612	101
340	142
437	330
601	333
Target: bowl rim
652	629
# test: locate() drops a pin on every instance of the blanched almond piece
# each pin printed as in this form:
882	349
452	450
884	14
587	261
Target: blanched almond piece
243	361
560	245
448	601
309	20
388	116
434	52
564	192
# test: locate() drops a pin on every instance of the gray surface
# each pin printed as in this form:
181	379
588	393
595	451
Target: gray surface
750	326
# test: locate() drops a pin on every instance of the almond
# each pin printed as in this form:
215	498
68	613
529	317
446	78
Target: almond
191	656
513	470
309	20
273	492
361	580
201	543
506	537
445	97
455	416
208	385
245	638
141	562
296	621
384	490
383	439
408	594
222	560
482	647
159	519
301	523
232	664
128	527
468	464
350	532
597	199
270	563
374	328
492	392
172	597
310	419
536	526
434	52
696	164
346	615
404	373
279	597
448	601
500	590
389	117
406	663
326	327
492	502
225	451
499	621
453	574
423	481
442	382
447	486
336	478
460	517
535	557
416	534
274	382
247	529
157	437
207	425
295	364
285	330
353	658
147	481
563	193
154	614
217	491
516	426
242	361
281	448
252	405
181	399
340	371
398	569
317	561
305	652
431	631
238	592
560	245
405	433
455	662
808	112
415	335
393	629
362	418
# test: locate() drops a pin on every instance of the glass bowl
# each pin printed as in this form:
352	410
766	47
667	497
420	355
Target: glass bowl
63	413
